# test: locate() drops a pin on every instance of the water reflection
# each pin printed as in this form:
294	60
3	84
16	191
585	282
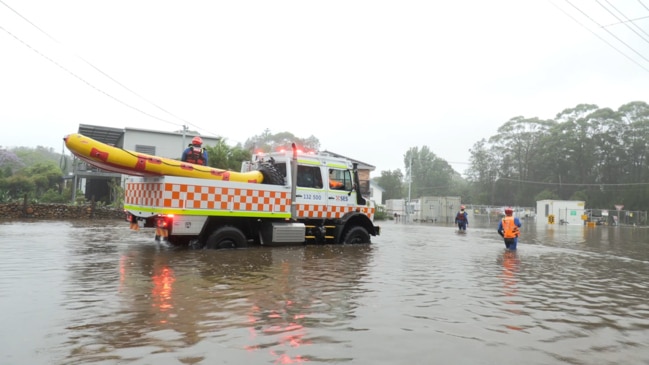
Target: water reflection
87	292
258	300
511	265
162	289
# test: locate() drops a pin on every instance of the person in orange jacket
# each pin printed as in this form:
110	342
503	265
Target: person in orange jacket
195	153
508	229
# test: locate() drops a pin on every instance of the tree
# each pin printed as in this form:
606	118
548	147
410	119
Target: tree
519	142
18	185
267	142
392	182
483	172
222	156
597	154
31	156
430	175
636	115
44	177
9	162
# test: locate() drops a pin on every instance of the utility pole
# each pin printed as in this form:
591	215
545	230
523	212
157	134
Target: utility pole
409	177
408	206
184	134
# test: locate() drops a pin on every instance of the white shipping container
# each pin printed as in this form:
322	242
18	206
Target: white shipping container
564	211
395	206
430	209
438	209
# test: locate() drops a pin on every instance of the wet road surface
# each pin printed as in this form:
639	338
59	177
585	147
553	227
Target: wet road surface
98	293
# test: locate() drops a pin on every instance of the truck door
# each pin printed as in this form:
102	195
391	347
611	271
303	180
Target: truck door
309	190
339	186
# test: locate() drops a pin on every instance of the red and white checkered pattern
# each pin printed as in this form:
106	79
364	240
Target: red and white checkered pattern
329	212
185	196
146	194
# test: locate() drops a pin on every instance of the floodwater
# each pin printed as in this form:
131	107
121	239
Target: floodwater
98	293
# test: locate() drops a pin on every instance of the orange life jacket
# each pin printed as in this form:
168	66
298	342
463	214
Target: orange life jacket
460	217
195	156
510	229
335	184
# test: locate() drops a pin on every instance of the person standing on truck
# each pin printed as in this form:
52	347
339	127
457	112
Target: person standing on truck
508	229
462	219
195	153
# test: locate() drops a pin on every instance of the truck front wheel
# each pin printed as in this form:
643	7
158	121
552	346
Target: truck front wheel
357	235
226	237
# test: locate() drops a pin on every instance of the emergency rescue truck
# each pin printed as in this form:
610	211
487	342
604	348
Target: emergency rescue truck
303	198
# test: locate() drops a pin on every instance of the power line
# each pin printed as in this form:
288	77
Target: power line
88	63
641	3
571	184
623	22
598	36
608	31
629	21
98	70
82	79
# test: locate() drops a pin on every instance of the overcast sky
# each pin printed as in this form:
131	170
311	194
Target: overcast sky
369	79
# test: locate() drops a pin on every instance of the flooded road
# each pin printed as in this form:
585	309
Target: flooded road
98	293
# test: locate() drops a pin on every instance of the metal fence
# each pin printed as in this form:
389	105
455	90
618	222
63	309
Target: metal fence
488	214
616	217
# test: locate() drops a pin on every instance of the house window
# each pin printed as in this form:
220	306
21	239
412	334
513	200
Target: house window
149	150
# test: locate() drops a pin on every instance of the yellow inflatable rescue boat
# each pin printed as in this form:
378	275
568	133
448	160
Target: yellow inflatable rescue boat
127	162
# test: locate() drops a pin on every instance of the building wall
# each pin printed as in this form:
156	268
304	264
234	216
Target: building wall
376	193
165	144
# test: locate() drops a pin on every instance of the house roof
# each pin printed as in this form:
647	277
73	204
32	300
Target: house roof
115	136
361	165
108	135
376	186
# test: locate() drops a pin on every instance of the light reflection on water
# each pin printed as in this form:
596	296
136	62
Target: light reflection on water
96	292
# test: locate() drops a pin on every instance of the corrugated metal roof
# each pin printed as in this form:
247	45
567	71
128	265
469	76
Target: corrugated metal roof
110	136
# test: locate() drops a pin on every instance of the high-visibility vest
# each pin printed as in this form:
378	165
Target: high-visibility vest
510	229
195	156
460	217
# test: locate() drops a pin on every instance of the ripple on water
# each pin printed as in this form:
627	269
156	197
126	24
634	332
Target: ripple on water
88	292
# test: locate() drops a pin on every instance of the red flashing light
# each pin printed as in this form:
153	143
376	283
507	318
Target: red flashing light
300	150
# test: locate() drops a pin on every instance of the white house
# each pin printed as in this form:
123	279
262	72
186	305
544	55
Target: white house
376	193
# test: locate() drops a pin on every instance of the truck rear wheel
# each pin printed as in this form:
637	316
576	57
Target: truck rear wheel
357	234
226	237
